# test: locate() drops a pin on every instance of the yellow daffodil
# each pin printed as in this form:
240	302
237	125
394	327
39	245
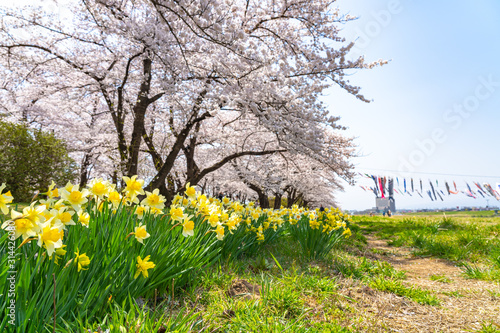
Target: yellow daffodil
154	199
82	261
100	188
188	227
52	193
59	253
35	214
224	216
115	198
142	266
347	233
314	224
5	199
47	214
21	225
230	226
203	209
190	191
220	232
134	186
177	199
58	204
140	233
50	236
130	200
140	211
74	196
155	211
233	222
63	216
176	213
213	219
83	218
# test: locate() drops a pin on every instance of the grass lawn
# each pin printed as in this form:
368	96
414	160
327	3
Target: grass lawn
472	242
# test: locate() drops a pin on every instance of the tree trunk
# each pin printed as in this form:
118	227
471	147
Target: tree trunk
277	201
263	199
84	172
139	115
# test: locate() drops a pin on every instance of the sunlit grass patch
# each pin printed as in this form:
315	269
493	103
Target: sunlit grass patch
363	268
472	271
382	276
489	328
440	278
397	287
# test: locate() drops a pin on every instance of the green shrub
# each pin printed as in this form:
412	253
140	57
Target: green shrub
30	158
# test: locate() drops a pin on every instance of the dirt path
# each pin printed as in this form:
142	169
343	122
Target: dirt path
466	304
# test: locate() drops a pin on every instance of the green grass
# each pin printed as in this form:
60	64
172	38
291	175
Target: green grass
383	276
471	242
293	289
440	278
462	213
472	271
299	294
364	269
489	328
397	287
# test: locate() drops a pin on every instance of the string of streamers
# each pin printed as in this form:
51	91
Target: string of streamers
386	187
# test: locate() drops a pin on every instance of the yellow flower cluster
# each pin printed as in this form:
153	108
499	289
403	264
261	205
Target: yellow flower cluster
332	219
226	215
48	219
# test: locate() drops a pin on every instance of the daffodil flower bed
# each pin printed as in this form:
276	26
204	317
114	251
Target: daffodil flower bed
99	245
318	232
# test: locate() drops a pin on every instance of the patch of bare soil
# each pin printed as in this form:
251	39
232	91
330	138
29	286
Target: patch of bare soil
466	304
244	289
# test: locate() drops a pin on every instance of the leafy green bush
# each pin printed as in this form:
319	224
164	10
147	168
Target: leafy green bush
30	158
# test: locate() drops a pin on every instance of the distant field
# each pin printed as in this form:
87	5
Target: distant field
482	213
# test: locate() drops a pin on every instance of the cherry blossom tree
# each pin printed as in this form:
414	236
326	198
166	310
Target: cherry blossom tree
138	85
298	178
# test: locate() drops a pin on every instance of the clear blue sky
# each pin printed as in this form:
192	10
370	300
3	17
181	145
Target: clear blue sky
434	91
